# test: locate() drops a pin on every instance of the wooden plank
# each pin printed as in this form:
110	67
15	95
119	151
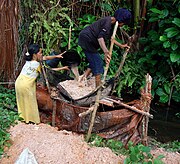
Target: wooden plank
106	102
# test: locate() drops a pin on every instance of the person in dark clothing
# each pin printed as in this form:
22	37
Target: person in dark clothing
94	36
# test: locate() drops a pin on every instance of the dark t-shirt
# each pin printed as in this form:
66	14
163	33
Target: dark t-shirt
88	37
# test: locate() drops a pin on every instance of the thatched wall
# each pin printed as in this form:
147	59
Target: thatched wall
8	38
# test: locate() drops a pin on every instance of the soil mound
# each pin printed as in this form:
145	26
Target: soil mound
51	146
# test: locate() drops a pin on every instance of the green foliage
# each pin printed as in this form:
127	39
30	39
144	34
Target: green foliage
7	116
49	26
116	146
132	74
173	146
86	20
50	23
138	154
161	49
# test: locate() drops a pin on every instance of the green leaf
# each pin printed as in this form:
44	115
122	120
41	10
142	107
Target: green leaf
167	88
164	98
153	19
149	162
174	46
146	149
163	38
175	57
176	21
155	83
157	161
165	13
133	157
160	92
171	32
154	10
142	40
160	156
166	44
131	81
64	44
127	161
79	49
176	96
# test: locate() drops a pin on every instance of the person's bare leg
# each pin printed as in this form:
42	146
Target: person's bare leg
87	73
75	71
98	80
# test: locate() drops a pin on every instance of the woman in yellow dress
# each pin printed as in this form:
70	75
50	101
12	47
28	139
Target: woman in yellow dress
25	84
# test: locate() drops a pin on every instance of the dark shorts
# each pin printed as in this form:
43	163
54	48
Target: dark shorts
95	62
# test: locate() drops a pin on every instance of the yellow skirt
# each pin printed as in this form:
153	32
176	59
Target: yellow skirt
26	99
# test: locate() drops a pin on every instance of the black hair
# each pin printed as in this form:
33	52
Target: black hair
123	16
32	49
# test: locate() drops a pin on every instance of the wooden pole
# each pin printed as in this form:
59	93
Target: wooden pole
96	105
45	77
49	91
54	113
130	41
146	104
131	108
69	40
86	112
120	68
110	50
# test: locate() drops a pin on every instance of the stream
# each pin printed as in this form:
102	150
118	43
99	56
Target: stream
165	126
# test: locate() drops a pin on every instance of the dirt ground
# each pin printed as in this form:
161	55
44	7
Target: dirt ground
51	146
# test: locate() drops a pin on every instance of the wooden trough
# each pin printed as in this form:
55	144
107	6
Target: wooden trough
114	119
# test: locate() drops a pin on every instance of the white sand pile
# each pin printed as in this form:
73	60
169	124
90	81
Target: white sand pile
79	89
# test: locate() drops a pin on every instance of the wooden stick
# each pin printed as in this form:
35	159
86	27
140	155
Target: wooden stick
54	113
96	105
69	40
45	77
86	112
130	107
120	68
4	83
122	63
110	50
145	121
130	40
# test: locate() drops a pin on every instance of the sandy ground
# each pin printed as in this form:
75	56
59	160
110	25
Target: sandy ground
51	146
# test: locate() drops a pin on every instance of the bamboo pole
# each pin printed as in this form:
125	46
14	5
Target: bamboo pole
110	50
86	112
147	90
96	105
136	12
131	108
